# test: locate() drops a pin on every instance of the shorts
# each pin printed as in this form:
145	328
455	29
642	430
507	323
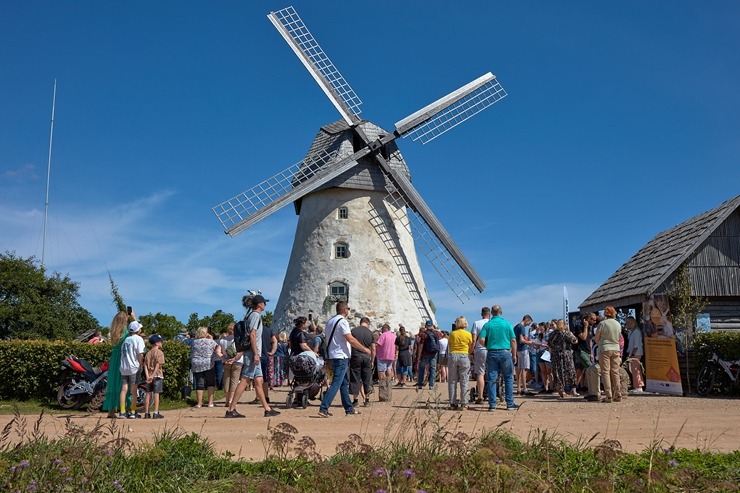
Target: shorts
204	379
522	360
251	370
479	361
155	386
582	359
265	364
384	365
442	359
130	380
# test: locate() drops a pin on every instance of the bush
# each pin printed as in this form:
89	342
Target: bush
32	369
725	344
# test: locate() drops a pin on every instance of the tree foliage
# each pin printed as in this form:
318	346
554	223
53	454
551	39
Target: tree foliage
36	306
165	325
685	307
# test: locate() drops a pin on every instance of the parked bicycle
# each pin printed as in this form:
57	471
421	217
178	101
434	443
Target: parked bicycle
712	371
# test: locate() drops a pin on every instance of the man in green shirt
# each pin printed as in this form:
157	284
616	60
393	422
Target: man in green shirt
497	336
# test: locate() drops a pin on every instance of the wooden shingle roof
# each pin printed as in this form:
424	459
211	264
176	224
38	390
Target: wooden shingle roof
650	267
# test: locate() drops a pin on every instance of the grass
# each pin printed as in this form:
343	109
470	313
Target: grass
422	452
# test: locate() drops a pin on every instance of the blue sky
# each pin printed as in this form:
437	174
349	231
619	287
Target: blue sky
622	120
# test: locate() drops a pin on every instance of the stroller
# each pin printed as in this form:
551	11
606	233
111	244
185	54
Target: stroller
308	380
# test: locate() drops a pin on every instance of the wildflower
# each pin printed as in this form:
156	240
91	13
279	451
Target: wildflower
118	485
62	469
57	462
24	463
379	472
673	463
380	491
12	468
408	473
32	486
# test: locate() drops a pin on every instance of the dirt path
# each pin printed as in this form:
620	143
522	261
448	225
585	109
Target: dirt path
709	424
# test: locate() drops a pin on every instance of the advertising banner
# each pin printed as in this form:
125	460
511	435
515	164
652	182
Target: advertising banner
661	359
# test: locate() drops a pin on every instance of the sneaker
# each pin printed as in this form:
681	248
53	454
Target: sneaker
147	416
134	416
325	414
479	401
638	390
491	409
512	408
122	415
356	402
353	412
157	416
271	413
234	414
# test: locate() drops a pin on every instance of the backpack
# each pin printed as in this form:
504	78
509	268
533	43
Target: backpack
431	344
242	342
322	345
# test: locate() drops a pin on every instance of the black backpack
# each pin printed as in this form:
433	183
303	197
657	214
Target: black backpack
242	342
431	344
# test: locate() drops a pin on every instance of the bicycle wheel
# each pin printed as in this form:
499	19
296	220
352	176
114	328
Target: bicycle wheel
706	378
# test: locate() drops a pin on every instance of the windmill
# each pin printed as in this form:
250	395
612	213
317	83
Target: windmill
360	218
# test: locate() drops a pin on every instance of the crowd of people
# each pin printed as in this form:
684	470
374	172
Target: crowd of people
487	361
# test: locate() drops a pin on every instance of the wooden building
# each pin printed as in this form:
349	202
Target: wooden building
708	244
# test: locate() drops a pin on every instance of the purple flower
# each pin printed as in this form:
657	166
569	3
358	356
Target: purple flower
12	468
57	462
62	469
422	491
380	491
32	486
118	485
673	463
379	472
408	473
24	463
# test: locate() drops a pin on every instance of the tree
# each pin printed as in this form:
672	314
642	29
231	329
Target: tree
36	306
165	325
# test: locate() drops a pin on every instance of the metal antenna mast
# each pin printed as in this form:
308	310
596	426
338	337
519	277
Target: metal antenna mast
48	173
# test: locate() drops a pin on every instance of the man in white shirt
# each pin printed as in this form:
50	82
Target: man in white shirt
339	344
480	354
132	357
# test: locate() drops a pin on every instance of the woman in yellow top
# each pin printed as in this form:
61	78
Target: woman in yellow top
460	347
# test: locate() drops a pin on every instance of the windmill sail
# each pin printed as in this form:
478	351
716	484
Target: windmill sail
450	111
244	210
290	25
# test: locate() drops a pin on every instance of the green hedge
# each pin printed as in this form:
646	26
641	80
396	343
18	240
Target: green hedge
32	369
725	344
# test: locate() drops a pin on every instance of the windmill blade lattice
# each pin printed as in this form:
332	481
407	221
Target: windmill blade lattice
240	212
450	111
432	248
332	82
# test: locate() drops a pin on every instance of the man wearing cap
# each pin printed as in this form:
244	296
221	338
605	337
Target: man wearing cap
251	368
132	357
339	344
427	355
497	335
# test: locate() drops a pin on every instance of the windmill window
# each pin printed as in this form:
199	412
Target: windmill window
343	213
338	290
341	250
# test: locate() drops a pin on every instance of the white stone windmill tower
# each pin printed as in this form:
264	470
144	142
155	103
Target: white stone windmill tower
356	205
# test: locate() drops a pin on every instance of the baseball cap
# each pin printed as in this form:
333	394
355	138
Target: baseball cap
155	338
134	327
429	323
259	299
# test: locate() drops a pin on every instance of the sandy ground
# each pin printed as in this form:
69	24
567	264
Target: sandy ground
709	424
